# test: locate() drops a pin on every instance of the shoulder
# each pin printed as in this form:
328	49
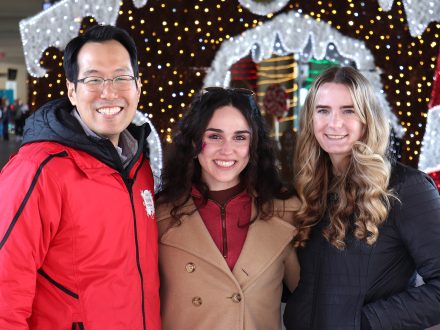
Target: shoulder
61	162
36	156
57	155
34	165
165	220
282	205
284	209
418	199
404	171
163	212
41	150
405	179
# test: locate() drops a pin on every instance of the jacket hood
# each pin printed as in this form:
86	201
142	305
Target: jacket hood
54	122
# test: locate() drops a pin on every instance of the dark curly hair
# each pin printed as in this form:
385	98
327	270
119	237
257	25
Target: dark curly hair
260	178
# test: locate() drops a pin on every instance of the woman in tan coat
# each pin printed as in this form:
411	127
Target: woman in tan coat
225	220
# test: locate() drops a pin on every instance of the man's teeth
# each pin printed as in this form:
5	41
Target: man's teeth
109	111
224	163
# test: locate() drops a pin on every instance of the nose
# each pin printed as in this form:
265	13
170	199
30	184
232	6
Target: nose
226	147
335	119
108	91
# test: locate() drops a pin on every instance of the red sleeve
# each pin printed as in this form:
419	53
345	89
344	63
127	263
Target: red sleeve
30	206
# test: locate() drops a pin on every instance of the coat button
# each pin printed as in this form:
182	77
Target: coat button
197	301
236	297
190	267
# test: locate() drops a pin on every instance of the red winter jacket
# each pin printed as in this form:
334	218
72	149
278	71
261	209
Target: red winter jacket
78	245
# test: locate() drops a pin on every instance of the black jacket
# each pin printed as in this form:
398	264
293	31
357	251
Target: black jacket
367	287
54	122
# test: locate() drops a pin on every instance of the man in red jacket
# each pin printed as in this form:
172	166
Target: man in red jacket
78	236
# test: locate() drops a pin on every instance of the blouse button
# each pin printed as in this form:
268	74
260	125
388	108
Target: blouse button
190	267
236	297
197	301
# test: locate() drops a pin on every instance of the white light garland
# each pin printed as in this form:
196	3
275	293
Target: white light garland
57	25
259	8
294	32
386	4
429	160
419	13
139	3
154	145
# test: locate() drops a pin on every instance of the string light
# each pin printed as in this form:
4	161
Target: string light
173	48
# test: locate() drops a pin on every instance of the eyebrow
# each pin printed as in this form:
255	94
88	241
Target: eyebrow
217	130
319	106
119	70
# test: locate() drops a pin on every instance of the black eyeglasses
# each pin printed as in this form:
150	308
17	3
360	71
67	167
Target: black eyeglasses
119	83
250	94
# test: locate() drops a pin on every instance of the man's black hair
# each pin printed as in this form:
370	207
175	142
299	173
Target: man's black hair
98	33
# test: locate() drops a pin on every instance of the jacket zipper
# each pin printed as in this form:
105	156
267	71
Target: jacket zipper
224	235
129	184
223	219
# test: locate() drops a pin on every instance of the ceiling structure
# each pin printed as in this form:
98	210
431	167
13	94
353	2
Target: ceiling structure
11	12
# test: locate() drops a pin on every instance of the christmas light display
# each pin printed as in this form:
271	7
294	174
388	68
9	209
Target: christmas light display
179	42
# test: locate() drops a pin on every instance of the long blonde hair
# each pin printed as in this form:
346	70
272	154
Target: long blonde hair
361	192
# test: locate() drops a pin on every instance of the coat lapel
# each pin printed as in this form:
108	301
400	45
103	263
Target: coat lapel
266	240
193	237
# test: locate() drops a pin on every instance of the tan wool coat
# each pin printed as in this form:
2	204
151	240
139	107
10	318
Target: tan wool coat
198	289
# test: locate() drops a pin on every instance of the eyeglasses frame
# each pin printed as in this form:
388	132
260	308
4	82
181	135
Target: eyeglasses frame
244	91
82	80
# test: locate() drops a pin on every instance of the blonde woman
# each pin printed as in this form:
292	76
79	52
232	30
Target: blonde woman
366	225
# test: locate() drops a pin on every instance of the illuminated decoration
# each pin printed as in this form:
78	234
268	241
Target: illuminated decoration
263	7
139	3
58	24
154	145
275	100
316	68
278	71
294	32
244	74
178	40
435	93
430	152
429	160
386	4
418	12
276	91
436	177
